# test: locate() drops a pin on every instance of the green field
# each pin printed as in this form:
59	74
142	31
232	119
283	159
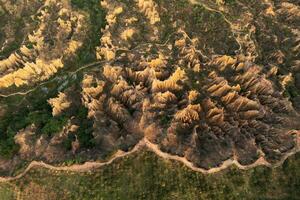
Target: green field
143	175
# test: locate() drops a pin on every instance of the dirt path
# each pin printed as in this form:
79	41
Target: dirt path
87	166
227	163
145	143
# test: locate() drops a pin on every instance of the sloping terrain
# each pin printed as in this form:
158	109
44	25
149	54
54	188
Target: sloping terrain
207	82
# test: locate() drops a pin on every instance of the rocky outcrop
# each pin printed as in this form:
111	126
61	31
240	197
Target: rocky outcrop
58	36
33	145
229	113
59	104
31	72
149	8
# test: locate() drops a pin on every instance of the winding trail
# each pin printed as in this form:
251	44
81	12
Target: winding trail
146	144
227	163
234	28
87	166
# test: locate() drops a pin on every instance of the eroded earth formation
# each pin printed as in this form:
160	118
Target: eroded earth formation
202	79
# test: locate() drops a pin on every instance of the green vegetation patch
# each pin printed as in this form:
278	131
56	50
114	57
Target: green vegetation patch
7	192
87	53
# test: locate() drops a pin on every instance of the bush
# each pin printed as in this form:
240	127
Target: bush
87	53
8	147
54	125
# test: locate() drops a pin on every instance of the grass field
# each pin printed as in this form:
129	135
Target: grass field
145	176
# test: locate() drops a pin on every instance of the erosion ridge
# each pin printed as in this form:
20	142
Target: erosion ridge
202	82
